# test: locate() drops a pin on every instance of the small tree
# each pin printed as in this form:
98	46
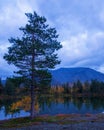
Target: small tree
1	86
34	51
9	88
79	86
86	88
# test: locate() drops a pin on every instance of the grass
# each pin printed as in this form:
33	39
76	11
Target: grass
19	122
26	121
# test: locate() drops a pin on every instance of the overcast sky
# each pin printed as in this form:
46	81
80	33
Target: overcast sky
80	25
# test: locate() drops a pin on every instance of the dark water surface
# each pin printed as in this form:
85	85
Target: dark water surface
51	105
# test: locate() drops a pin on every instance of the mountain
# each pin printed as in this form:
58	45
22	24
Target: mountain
64	75
70	75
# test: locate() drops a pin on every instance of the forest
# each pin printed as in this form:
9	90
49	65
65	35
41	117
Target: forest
15	86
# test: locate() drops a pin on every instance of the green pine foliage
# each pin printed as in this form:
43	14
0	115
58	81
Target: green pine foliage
34	52
1	87
92	88
9	88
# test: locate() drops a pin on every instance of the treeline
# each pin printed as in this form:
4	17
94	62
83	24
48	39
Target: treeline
16	86
13	87
19	86
93	88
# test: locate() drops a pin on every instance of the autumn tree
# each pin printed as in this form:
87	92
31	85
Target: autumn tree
34	51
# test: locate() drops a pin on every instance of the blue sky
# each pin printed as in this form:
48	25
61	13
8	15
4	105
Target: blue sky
80	25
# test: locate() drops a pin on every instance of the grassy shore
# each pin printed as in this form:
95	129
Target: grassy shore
60	119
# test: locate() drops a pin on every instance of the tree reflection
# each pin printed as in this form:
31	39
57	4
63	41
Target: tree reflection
24	104
14	107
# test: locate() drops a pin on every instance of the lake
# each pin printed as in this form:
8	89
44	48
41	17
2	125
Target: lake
50	105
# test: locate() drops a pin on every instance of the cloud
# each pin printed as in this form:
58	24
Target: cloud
80	25
84	49
5	69
12	16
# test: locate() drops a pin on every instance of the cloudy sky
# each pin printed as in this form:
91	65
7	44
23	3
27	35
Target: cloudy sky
80	25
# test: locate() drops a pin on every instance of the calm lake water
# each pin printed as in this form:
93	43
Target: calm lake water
50	105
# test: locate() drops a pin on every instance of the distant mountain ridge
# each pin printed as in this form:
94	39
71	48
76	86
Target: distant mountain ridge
70	75
64	75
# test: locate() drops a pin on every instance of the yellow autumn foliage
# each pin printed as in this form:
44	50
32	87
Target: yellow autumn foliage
24	104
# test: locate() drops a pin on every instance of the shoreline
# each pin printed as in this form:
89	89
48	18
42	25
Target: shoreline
58	121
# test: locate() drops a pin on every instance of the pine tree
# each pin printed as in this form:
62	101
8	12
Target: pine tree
9	88
0	82
1	86
79	86
34	51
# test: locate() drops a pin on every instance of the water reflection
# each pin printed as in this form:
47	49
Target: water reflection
50	105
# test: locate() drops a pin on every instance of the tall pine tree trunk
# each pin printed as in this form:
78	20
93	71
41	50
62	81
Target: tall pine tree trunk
32	102
33	112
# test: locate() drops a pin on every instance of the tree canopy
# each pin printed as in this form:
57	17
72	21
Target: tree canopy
35	51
